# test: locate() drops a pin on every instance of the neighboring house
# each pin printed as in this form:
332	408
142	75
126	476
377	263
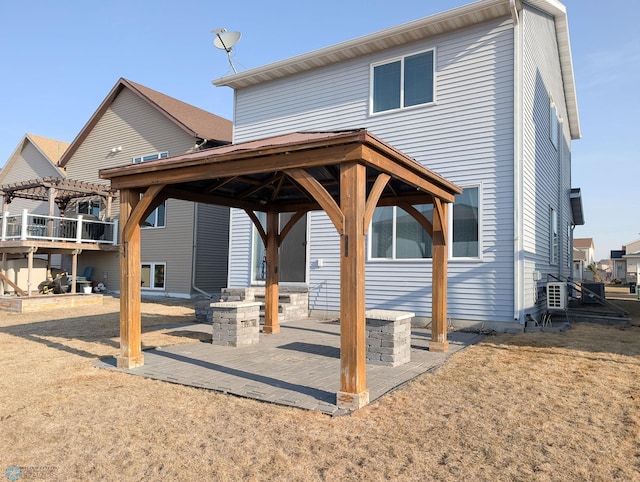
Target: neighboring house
627	265
184	245
619	265
35	157
583	256
484	95
632	257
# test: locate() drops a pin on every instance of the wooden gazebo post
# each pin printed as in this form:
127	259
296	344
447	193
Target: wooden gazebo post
130	322
271	325
51	197
439	279
353	392
133	210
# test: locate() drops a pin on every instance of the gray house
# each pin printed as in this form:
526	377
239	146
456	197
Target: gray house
184	244
484	95
34	157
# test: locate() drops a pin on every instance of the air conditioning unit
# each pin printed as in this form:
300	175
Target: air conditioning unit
592	292
556	296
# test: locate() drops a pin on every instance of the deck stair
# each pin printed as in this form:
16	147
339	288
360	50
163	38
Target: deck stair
293	302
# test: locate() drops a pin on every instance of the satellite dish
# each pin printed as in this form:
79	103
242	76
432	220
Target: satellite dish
225	41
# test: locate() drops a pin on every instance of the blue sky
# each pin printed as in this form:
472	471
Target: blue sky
60	59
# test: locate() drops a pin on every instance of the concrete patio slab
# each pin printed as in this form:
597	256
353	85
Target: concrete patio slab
299	367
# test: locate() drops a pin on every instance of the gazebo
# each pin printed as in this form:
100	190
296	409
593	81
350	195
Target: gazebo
346	174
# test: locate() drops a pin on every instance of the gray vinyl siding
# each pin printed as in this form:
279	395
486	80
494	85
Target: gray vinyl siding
133	124
172	245
324	282
136	126
212	248
546	170
466	136
240	252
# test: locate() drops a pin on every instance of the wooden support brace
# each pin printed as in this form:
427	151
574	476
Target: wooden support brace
17	289
320	195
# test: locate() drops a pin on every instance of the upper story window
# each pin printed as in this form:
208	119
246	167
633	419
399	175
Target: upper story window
157	219
466	224
397	235
403	82
151	157
90	208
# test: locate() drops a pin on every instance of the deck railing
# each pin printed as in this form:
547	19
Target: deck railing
26	226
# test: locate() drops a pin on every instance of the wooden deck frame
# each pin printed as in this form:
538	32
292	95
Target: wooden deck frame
371	174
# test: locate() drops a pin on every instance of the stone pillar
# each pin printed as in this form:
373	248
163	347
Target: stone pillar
235	323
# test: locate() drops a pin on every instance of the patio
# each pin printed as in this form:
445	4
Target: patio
296	367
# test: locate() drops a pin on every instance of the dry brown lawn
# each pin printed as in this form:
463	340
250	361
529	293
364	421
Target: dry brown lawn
514	407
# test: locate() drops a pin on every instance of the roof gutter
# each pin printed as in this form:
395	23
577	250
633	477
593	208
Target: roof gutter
427	26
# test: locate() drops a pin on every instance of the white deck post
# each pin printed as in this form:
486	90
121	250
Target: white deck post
79	229
115	231
5	220
3	270
29	271
23	228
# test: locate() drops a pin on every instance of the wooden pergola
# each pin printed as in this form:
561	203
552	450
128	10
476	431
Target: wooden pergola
58	192
55	191
346	174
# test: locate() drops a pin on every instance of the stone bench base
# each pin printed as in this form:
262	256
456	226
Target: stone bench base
388	337
235	323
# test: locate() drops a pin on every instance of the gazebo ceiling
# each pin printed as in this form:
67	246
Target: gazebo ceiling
265	172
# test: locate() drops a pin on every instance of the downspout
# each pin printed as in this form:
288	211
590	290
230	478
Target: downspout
194	252
571	267
518	128
561	177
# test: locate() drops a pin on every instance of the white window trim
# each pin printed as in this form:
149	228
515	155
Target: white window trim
450	223
146	157
255	238
401	59
91	205
155	226
152	265
479	258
